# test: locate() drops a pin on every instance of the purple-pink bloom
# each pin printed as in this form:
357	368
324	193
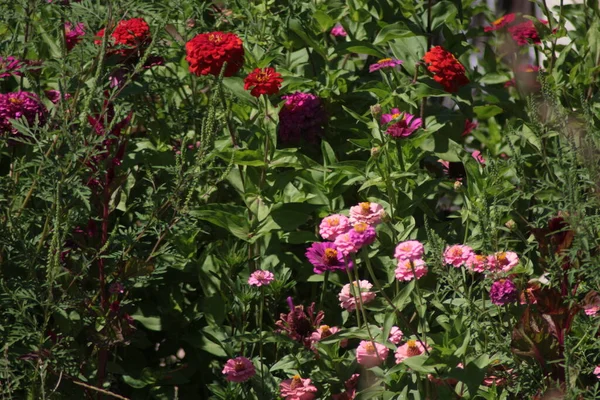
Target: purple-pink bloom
407	270
503	292
326	256
338	30
457	255
400	124
592	304
362	234
370	354
369	213
73	34
396	335
261	278
409	250
349	295
18	105
302	117
385	63
333	226
345	244
478	157
54	96
10	66
298	324
238	369
297	389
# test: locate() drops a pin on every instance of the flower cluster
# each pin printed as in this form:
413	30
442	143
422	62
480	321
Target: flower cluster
446	69
207	52
302	117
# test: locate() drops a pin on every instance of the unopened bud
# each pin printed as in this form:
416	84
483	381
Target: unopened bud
510	224
457	185
376	110
375	151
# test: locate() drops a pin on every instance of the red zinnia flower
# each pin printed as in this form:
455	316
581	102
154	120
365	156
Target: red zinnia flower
500	23
207	52
263	81
525	33
446	69
129	35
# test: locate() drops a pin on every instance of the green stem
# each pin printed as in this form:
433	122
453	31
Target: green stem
260	341
351	282
323	289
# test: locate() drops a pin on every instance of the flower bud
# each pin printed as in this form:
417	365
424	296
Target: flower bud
510	224
375	151
457	185
376	110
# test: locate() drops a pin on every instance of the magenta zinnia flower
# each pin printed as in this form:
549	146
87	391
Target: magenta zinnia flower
478	157
302	117
369	213
457	255
10	66
384	63
400	124
362	234
370	354
409	250
73	34
333	226
297	389
347	298
338	30
238	369
19	105
503	292
261	278
408	269
409	349
326	256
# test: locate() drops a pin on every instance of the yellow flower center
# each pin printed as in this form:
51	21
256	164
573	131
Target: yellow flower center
333	221
456	252
384	60
498	21
239	366
296	382
501	257
370	347
262	76
330	255
15	101
365	207
413	349
214	38
360	227
324	329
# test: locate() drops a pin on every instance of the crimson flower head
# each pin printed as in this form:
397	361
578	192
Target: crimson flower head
263	81
446	69
500	23
525	33
207	52
300	325
129	36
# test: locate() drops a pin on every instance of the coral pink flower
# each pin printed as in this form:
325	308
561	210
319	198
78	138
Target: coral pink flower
478	157
297	389
261	278
407	269
409	349
370	354
362	234
323	331
500	23
409	250
401	124
238	369
349	302
338	30
395	335
385	63
477	263
597	372
333	226
345	245
503	261
369	213
457	255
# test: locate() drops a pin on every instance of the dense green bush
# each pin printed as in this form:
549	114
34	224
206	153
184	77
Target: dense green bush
152	164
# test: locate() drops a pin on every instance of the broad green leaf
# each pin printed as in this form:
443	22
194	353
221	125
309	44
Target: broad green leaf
487	111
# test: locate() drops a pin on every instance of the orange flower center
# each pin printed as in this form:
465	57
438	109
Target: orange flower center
456	252
296	382
239	366
262	76
501	257
413	349
498	21
330	255
15	101
325	331
360	227
333	221
365	207
384	60
214	38
370	347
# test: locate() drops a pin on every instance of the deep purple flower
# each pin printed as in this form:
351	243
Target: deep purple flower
299	325
73	34
10	66
17	105
503	292
325	256
385	63
302	117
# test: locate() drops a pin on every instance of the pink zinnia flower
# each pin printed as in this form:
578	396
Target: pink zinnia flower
396	335
409	349
326	256
469	126
55	96
323	331
333	226
362	234
261	278
385	63
338	30
297	389
503	292
597	372
370	354
401	124
408	269
409	250
73	34
500	23
238	369
477	263
478	157
457	255
369	213
503	261
592	304
347	299
345	244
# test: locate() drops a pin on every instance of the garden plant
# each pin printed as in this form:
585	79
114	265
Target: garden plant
299	199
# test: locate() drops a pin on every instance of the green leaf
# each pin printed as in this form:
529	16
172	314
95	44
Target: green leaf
324	20
361	47
296	27
392	31
233	218
487	111
403	298
253	158
442	13
152	323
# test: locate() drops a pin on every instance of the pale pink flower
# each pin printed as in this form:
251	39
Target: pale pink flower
597	372
407	269
503	261
345	244
349	302
333	226
297	389
323	331
369	213
261	278
395	335
457	255
478	157
409	349
409	250
476	263
238	369
370	354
